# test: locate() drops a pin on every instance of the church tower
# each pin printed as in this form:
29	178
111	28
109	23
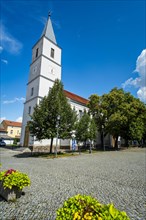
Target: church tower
45	67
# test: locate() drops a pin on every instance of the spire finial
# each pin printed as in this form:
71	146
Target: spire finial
49	14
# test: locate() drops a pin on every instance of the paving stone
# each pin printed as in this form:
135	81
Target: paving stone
117	177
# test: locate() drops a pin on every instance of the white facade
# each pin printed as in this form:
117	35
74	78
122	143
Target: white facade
79	110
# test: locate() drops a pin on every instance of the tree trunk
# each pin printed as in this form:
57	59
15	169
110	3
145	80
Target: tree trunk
51	145
116	143
126	143
102	140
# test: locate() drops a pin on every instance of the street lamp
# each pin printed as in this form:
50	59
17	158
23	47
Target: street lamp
89	141
103	119
57	126
90	148
103	137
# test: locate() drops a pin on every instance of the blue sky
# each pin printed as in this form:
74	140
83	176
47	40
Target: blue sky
103	46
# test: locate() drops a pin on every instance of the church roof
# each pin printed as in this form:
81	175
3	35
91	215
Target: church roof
48	31
76	98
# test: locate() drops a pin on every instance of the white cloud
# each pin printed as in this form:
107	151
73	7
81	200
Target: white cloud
140	81
9	43
2	118
141	63
19	119
14	100
132	82
1	49
4	61
141	93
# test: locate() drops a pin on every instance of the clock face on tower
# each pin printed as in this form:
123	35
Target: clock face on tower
51	70
34	69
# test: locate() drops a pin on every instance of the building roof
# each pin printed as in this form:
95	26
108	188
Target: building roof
76	98
12	123
48	31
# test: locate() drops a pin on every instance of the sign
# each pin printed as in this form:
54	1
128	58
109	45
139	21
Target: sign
73	144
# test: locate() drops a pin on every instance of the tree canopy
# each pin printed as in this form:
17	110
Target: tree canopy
120	113
86	128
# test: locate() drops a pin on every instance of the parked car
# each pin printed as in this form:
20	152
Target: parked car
2	143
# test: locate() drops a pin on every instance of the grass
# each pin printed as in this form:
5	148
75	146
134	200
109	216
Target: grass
61	154
53	155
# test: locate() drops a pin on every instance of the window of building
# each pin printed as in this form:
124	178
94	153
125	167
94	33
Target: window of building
32	90
52	52
17	131
11	132
37	51
80	113
29	110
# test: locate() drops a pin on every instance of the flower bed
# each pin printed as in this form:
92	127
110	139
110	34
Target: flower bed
11	184
85	207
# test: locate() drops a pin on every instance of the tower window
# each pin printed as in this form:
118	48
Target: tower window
29	110
37	50
32	90
52	52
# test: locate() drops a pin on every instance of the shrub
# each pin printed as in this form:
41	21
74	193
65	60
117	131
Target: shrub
85	207
13	177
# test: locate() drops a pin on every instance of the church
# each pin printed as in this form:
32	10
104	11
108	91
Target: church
45	67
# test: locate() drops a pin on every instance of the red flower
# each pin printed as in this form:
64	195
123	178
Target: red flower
9	172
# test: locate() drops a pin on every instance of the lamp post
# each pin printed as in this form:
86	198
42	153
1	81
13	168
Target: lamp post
57	126
103	138
90	148
89	135
103	121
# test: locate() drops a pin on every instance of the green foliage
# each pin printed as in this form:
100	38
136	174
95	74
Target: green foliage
16	140
86	128
44	120
86	207
12	178
122	114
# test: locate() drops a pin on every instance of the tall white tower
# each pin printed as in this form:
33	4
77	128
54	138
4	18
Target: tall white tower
44	69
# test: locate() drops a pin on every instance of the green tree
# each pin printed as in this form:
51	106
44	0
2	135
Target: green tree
120	113
99	114
44	120
125	115
86	128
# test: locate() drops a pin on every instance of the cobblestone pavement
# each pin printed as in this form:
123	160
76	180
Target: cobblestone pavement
117	177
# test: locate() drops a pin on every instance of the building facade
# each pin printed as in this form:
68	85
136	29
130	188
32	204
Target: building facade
12	128
45	68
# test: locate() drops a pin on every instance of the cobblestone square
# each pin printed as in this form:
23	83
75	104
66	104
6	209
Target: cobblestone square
117	177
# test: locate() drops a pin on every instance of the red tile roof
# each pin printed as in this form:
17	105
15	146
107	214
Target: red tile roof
12	123
76	98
